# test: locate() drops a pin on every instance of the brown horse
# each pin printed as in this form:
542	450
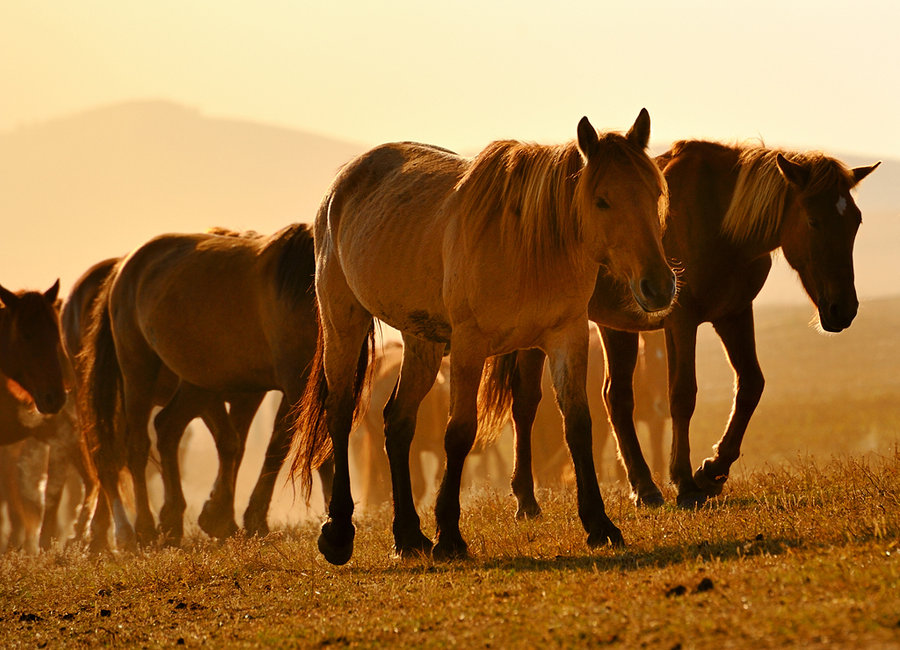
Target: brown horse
731	207
30	347
219	318
481	256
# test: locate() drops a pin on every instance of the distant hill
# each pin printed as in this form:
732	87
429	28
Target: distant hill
81	188
96	184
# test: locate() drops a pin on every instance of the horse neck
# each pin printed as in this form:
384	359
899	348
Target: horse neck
5	343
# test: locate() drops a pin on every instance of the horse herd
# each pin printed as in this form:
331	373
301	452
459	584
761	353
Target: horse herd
495	262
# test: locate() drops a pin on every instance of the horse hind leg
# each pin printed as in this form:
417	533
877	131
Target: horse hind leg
139	384
419	369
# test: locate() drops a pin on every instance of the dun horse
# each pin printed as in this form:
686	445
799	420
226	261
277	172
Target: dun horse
730	209
192	321
481	257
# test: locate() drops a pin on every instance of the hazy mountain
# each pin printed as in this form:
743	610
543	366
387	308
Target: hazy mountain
96	184
81	188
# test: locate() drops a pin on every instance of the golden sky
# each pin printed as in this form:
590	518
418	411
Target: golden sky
813	73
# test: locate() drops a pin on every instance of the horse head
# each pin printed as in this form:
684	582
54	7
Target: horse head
622	200
820	225
30	351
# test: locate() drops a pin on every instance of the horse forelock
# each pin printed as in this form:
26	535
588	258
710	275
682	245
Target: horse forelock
758	204
617	150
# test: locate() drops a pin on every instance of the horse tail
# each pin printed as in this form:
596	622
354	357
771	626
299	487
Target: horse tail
311	445
495	396
102	387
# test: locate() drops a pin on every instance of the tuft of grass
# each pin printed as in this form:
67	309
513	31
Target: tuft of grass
805	554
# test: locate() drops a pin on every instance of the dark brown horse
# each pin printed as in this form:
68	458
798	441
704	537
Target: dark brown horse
219	318
482	256
30	347
730	208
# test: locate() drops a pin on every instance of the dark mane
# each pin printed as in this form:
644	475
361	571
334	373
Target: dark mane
296	266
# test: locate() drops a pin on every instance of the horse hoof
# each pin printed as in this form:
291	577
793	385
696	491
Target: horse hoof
650	499
260	529
609	535
528	511
446	549
709	480
416	547
336	550
691	500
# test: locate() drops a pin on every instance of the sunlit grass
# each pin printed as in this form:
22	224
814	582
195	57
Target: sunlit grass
803	554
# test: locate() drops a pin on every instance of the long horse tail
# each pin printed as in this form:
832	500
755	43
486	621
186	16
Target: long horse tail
495	396
311	445
101	392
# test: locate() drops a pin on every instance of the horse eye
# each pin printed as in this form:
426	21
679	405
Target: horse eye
813	223
602	203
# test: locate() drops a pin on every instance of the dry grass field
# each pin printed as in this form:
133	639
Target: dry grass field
802	549
805	555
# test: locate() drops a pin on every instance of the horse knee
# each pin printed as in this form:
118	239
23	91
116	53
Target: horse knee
750	388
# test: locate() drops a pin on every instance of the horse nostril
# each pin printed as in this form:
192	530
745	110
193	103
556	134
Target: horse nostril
646	289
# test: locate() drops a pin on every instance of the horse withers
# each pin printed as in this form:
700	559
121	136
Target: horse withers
480	256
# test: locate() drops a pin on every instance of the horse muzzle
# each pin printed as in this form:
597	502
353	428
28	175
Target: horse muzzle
654	294
836	316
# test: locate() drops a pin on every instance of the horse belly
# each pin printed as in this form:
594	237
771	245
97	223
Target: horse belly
399	283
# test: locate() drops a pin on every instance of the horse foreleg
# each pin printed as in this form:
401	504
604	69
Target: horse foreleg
256	514
568	368
421	363
618	392
170	423
466	367
681	348
740	344
526	396
230	430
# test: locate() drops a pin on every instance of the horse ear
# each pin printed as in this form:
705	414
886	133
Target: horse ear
51	293
7	297
639	133
860	173
588	142
793	172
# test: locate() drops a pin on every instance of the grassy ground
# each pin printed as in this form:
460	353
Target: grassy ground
807	554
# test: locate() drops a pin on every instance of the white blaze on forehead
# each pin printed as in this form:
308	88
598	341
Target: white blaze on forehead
841	205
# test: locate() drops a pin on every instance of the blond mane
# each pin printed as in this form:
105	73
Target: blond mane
758	204
532	190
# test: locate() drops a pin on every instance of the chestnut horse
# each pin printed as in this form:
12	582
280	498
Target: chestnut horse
218	318
730	208
30	347
481	256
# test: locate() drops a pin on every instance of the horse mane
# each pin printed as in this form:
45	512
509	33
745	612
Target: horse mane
532	190
296	265
222	231
760	196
